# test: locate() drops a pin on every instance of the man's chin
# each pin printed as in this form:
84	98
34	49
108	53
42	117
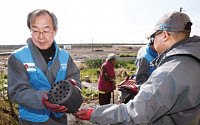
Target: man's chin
43	47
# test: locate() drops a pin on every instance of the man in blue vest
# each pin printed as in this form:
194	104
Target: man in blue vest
144	69
34	68
145	56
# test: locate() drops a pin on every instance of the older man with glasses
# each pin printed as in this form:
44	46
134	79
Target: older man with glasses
35	68
171	94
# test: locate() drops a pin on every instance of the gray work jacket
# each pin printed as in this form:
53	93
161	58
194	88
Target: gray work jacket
171	95
19	87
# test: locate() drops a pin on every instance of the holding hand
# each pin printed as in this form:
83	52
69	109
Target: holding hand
74	84
129	92
84	114
130	89
52	107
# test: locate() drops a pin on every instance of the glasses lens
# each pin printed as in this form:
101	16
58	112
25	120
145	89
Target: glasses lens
37	33
157	34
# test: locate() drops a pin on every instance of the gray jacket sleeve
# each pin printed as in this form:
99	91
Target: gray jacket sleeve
73	72
111	114
19	87
142	70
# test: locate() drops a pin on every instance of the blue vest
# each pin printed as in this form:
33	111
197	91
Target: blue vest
149	54
39	81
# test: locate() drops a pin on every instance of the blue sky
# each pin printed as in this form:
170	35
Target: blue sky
104	21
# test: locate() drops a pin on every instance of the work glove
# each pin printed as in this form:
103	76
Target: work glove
129	92
74	83
84	114
128	85
130	89
52	107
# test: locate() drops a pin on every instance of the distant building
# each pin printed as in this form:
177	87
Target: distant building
67	47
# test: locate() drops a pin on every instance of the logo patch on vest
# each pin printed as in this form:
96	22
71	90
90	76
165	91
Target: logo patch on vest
30	66
64	65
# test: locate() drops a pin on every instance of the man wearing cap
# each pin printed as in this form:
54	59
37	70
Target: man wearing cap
171	94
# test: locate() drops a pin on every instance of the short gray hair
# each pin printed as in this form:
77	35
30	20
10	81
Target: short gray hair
32	15
112	57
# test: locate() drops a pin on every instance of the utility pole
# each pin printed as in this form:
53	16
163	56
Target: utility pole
92	44
181	9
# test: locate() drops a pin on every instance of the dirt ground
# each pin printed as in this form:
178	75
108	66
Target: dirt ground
82	54
90	104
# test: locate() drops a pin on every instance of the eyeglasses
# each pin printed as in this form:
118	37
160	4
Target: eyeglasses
37	33
153	37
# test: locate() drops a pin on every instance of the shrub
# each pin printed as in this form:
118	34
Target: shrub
126	55
131	61
4	75
89	93
95	63
92	73
121	64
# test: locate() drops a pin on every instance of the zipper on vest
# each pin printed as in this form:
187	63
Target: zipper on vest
49	69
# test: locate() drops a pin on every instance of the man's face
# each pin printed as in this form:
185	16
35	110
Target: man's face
42	31
158	42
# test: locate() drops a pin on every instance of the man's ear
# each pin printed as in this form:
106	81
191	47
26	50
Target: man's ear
166	36
55	31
